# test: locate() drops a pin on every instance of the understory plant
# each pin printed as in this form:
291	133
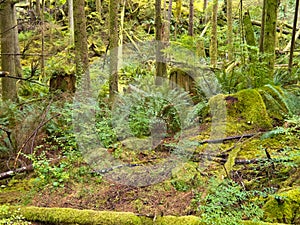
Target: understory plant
227	203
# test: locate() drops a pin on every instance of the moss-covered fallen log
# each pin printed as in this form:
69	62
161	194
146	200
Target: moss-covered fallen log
86	217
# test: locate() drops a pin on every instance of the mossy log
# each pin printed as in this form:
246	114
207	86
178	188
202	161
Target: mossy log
74	216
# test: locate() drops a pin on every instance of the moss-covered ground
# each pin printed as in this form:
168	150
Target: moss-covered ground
256	163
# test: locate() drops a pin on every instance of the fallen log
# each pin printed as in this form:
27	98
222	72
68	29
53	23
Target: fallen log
221	140
11	173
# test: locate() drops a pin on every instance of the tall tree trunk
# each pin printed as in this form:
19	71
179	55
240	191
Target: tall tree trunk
81	48
213	48
99	9
161	67
270	33
293	36
249	36
17	46
262	29
204	10
191	18
38	8
8	62
113	43
229	30
71	21
177	15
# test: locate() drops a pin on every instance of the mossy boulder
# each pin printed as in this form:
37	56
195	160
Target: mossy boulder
284	207
245	110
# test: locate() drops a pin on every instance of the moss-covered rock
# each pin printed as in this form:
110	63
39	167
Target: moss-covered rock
284	207
245	111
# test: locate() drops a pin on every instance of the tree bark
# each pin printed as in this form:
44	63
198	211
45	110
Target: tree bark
191	18
113	43
8	62
81	48
213	48
270	33
229	30
249	36
71	21
262	28
161	67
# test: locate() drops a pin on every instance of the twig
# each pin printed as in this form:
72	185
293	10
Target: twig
32	135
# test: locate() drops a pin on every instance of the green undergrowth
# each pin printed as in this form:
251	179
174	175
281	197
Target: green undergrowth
74	216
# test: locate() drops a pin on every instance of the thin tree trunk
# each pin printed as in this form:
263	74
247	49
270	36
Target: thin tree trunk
113	42
81	48
204	10
71	21
191	19
38	8
229	30
262	28
43	39
9	89
178	15
213	48
161	68
293	36
99	9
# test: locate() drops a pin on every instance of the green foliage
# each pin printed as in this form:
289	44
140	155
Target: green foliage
227	203
12	217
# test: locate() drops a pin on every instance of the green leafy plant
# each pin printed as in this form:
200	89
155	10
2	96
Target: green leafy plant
13	217
227	203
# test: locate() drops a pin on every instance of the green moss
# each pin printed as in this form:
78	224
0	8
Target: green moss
247	107
85	217
185	176
74	216
284	207
239	112
183	220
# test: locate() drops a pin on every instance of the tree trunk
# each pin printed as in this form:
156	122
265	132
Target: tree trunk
71	21
204	10
177	15
249	36
81	48
161	67
191	19
16	45
270	33
9	89
99	9
213	48
293	36
262	29
229	30
113	43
